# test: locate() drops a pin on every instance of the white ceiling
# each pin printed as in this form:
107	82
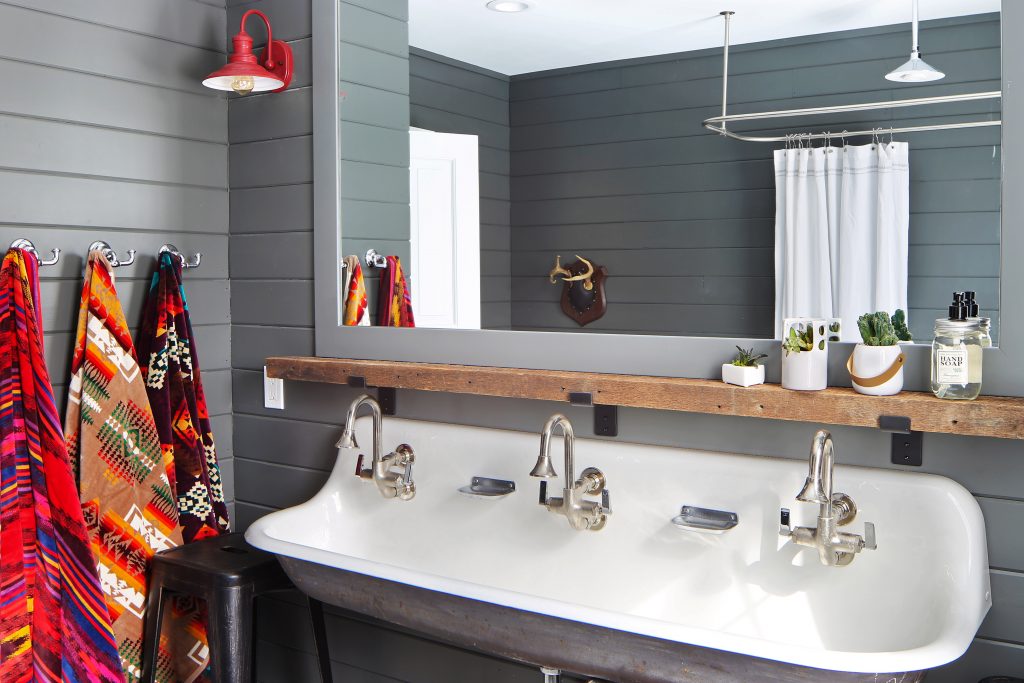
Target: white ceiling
560	33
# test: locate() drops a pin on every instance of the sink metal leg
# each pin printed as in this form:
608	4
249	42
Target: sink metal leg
550	675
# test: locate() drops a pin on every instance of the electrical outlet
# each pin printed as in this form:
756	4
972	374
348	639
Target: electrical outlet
273	392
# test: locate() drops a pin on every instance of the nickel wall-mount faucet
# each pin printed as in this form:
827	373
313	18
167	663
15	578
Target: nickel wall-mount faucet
382	470
582	514
835	548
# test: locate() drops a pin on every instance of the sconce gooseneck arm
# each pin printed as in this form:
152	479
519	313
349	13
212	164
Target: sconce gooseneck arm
270	33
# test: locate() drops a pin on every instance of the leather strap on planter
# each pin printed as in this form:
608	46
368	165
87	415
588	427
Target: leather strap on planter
877	380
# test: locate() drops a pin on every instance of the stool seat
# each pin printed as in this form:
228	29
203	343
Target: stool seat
223	561
228	574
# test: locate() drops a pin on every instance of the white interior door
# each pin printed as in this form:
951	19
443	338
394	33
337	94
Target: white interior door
445	229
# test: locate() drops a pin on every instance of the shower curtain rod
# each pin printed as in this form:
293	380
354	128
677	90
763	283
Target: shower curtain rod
718	125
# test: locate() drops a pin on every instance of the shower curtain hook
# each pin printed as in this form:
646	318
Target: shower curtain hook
115	262
891	133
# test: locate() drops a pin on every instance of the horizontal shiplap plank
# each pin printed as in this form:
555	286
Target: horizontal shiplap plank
46	92
101	203
287	161
399	9
441	69
374	182
251	345
284	115
30	36
366	104
368	28
647	318
273	303
285	208
374	69
191	23
259	257
736	262
54	147
1005	621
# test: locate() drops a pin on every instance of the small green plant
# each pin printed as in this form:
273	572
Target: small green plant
899	323
798	341
878	329
745	358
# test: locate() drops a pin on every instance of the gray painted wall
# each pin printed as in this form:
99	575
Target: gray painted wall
610	161
285	456
449	96
107	133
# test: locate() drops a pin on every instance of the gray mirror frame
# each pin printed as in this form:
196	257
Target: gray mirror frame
696	357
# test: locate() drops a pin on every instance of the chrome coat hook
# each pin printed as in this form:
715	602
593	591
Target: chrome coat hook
115	262
375	260
26	245
185	263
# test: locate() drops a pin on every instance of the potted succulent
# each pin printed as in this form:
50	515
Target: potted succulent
876	365
744	370
805	353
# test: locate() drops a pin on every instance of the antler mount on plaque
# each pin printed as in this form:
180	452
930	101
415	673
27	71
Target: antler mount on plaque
583	297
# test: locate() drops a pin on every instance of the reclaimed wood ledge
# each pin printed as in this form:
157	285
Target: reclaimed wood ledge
994	416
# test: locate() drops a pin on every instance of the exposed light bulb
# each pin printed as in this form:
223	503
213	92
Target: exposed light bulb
243	85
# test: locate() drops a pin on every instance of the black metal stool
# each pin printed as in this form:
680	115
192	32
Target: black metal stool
228	574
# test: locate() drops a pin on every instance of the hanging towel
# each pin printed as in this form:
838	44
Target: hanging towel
355	293
394	302
54	624
175	387
130	510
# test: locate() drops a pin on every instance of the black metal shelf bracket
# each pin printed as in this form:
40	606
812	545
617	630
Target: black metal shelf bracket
907	445
606	418
387	397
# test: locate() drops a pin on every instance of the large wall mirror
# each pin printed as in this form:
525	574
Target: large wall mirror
561	181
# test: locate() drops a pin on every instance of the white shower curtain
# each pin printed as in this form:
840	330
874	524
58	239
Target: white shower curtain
842	223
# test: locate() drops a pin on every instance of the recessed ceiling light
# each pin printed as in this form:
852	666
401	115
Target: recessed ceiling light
507	6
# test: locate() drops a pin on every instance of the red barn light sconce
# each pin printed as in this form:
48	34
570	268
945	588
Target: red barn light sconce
244	74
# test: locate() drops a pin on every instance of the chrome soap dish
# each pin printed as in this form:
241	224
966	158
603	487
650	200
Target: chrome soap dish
485	487
705	520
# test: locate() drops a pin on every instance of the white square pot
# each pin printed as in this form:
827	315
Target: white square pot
742	376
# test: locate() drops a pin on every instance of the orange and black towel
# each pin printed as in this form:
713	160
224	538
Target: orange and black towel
394	302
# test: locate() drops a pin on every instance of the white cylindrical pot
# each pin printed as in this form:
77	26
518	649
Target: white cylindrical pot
742	375
872	361
806	370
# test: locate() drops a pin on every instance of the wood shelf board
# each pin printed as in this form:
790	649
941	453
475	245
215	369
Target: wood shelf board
994	416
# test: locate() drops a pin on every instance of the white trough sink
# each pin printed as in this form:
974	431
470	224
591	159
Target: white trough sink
913	604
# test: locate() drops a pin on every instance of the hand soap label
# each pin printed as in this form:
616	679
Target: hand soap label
951	366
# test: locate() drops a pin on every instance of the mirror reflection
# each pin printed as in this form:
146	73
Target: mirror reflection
561	177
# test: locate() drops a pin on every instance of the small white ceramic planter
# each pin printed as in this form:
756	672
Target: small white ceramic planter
806	370
871	362
742	376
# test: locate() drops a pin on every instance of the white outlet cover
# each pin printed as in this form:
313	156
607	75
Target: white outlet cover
273	392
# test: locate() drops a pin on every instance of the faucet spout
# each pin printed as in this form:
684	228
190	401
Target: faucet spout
818	487
348	437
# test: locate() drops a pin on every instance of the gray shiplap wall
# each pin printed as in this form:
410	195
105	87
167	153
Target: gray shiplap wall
97	142
286	455
610	160
448	96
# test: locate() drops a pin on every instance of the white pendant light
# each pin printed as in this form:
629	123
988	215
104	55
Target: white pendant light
915	70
